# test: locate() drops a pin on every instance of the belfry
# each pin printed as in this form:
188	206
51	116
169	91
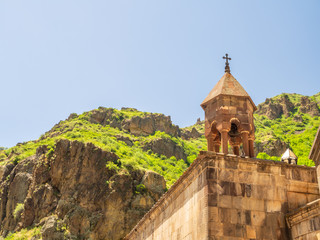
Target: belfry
229	116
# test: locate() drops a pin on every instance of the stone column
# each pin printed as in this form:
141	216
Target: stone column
251	147
245	142
217	147
210	143
236	150
224	140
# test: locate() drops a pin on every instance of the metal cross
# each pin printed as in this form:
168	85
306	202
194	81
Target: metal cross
227	58
227	68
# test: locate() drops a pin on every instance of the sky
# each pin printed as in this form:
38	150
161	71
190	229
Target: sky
61	57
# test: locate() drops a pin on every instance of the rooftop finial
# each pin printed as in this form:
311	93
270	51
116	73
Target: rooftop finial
227	68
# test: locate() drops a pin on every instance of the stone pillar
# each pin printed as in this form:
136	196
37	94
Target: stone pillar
236	149
210	143
251	147
224	140
245	142
217	147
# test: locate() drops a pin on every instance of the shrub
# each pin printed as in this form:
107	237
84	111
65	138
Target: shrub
112	166
141	189
18	210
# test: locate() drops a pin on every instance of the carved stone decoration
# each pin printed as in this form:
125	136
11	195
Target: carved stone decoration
229	117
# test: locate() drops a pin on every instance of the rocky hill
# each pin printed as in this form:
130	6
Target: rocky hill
94	175
287	120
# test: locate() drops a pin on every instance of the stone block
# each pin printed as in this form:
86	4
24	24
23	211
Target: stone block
233	164
213	214
250	232
263	192
215	229
225	215
214	187
280	194
225	201
246	189
229	230
262	179
312	197
273	206
296	200
253	204
245	177
237	216
226	175
213	200
258	218
313	188
247	166
264	232
264	168
297	186
273	220
230	188
212	173
237	202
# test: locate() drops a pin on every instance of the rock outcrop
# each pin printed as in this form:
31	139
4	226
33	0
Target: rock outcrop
272	148
186	134
166	147
149	124
308	106
146	124
72	187
274	108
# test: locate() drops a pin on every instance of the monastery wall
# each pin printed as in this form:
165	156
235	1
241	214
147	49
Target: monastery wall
228	197
248	198
182	213
305	221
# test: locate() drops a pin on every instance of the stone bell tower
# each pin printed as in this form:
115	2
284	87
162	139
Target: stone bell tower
229	116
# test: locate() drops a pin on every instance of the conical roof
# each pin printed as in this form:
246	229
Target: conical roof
227	85
288	154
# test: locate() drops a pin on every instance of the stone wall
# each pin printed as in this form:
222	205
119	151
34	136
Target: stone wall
248	198
224	196
182	213
305	221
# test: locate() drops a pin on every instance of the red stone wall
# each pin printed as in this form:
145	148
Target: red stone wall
228	197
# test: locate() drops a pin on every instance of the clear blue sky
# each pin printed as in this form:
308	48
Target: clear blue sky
59	57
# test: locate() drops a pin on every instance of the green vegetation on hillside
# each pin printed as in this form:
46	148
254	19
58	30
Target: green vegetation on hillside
25	234
296	129
298	135
131	157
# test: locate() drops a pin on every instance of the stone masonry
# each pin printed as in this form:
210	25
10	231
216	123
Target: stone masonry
228	197
304	222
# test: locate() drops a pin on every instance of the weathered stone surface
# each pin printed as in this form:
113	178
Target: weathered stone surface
226	197
166	147
283	106
14	189
304	223
186	134
274	110
149	124
272	148
49	230
76	189
308	106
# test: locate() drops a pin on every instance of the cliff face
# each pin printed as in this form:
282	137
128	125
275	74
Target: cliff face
275	107
70	193
287	120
